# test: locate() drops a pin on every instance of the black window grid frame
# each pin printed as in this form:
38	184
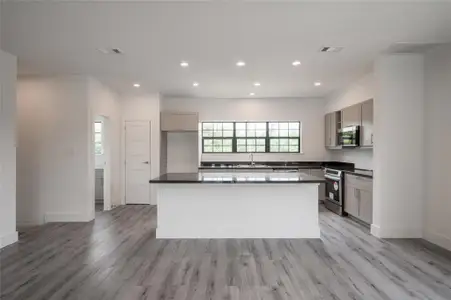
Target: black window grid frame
267	138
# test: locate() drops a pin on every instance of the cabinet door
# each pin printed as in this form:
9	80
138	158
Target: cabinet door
327	140
367	124
366	206
352	115
174	121
333	130
351	203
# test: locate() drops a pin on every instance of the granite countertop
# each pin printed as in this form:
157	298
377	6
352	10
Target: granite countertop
257	166
275	165
237	178
360	172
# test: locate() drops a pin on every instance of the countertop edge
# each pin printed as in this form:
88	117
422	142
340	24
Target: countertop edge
235	182
358	174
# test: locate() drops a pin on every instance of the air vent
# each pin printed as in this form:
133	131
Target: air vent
331	49
110	50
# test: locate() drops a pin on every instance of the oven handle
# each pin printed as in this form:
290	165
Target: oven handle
336	178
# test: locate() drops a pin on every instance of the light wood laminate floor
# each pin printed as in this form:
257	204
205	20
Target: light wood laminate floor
118	257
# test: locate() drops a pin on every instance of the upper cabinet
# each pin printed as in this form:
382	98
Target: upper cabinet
352	115
332	125
360	114
366	131
179	121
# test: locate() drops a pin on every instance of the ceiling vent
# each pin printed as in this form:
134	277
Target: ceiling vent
331	49
116	51
110	50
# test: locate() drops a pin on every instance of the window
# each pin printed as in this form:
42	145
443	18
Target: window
251	137
98	132
284	137
217	137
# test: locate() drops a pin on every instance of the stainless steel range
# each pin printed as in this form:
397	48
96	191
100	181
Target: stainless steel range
334	191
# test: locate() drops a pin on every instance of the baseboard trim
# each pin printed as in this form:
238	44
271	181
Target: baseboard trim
396	232
438	239
27	224
65	217
376	230
8	239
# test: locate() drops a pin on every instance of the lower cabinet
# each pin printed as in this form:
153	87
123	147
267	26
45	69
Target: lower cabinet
366	206
351	201
359	197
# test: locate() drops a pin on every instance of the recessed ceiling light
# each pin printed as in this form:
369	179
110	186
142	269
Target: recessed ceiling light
184	64
195	83
136	85
296	63
240	63
252	94
317	83
257	84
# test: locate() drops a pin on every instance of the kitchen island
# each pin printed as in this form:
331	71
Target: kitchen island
237	205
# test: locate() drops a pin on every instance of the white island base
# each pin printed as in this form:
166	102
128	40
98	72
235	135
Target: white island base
261	210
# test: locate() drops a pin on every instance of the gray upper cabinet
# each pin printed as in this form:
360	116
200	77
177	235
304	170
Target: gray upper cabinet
327	128
366	139
352	115
179	121
331	128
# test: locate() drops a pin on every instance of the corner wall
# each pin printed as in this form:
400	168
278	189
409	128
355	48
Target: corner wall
398	195
104	102
52	170
8	142
437	106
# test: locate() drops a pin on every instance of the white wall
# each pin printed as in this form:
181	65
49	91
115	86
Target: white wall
106	104
309	111
141	107
53	145
437	143
182	152
398	153
363	89
8	76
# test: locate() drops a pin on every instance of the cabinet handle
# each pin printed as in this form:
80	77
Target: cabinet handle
371	139
358	204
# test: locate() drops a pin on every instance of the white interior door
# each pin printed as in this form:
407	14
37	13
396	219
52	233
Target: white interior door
137	162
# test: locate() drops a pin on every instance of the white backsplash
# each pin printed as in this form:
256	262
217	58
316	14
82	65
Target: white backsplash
361	158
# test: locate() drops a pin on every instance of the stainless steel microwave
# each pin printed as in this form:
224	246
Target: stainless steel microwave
349	136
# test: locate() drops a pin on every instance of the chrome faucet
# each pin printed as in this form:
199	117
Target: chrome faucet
251	158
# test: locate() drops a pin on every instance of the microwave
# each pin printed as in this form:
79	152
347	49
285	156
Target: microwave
349	136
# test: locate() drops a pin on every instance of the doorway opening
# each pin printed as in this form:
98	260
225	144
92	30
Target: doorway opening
102	195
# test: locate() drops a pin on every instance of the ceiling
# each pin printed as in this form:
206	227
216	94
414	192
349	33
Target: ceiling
62	38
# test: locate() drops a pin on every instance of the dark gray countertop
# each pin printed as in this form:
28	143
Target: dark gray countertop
275	165
360	172
237	178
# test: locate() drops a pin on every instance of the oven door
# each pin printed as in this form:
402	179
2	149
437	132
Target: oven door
333	191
